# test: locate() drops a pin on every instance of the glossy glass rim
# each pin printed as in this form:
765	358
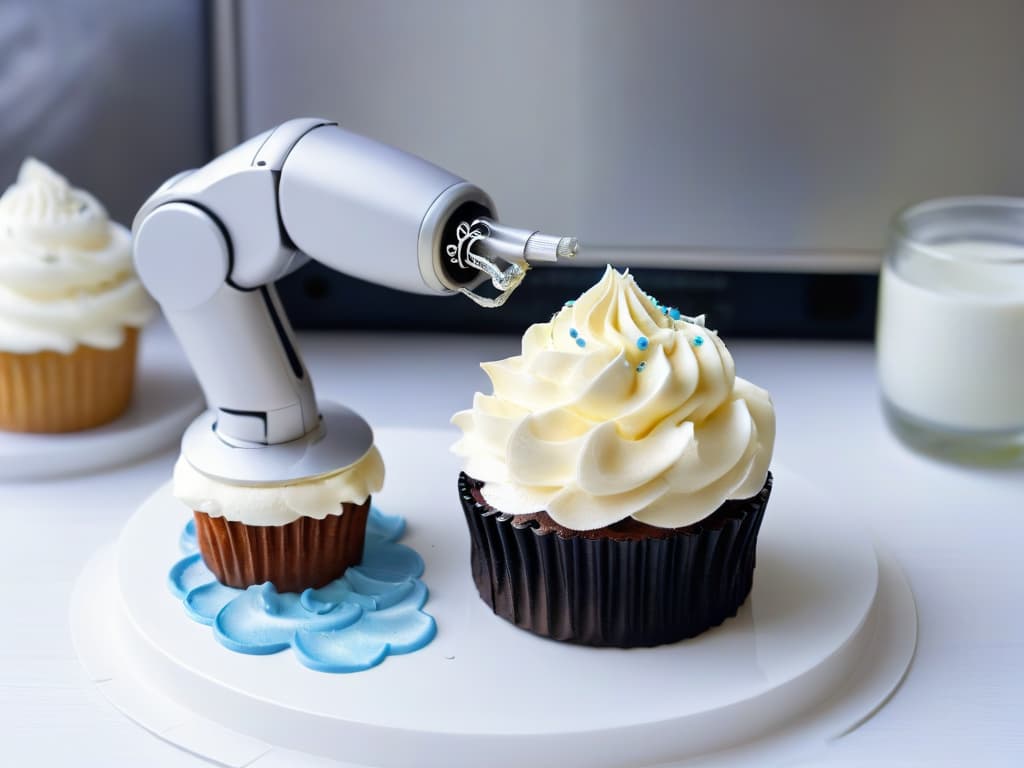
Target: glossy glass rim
901	229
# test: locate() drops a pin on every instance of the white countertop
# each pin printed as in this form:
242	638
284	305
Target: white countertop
957	532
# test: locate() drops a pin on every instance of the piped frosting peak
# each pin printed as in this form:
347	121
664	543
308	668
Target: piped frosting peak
618	407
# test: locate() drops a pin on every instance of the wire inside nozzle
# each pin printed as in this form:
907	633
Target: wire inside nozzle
482	242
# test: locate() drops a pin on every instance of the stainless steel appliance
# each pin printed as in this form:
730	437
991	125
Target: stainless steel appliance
759	147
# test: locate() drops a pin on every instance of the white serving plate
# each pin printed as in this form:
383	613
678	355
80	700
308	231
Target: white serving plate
825	637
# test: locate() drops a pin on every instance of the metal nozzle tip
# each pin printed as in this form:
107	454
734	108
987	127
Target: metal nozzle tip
567	248
548	248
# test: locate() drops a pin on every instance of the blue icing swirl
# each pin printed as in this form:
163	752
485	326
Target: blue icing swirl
374	610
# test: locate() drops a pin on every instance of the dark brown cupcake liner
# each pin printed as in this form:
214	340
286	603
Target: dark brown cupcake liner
306	553
605	591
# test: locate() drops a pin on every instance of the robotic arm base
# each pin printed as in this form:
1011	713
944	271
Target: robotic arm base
342	439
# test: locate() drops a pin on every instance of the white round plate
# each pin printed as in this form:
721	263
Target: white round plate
165	400
825	637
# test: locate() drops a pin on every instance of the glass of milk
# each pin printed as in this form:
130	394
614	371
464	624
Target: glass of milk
950	334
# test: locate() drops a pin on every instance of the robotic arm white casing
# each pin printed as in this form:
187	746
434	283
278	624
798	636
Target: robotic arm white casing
209	244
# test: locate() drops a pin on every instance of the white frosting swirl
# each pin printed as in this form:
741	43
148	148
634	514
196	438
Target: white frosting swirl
279	504
65	269
574	428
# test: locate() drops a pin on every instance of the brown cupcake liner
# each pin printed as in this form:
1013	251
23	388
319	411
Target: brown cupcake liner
603	591
55	392
306	553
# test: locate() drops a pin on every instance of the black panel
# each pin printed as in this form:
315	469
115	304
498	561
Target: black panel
757	304
467	212
282	336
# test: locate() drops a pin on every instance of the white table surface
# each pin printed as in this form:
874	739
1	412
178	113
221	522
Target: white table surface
957	532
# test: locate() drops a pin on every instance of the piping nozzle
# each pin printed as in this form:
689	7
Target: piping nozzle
514	245
482	242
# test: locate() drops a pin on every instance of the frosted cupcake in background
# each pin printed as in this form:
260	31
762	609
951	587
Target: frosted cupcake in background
616	480
70	307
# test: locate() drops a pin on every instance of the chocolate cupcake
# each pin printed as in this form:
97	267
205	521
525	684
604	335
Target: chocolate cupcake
296	535
617	478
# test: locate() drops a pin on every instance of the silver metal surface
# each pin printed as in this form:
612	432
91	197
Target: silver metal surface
484	242
225	73
748	135
515	245
547	248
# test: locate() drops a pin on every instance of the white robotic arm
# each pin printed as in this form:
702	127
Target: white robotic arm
210	243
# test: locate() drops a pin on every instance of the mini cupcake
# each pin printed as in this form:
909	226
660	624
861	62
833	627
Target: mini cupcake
616	480
70	307
297	535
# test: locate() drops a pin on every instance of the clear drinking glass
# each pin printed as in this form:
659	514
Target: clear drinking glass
950	334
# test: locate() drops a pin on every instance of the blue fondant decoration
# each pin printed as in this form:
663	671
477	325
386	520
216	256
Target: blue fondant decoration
187	540
374	610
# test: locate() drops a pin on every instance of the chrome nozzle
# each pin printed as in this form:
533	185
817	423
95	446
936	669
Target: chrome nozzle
483	241
547	248
514	245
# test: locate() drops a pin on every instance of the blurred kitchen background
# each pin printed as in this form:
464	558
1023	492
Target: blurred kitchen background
743	157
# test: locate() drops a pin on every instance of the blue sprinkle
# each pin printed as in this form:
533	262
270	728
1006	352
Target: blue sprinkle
570	302
664	310
581	343
674	313
573	332
698	340
642	343
640	368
